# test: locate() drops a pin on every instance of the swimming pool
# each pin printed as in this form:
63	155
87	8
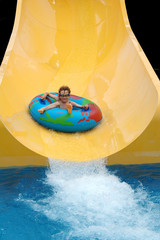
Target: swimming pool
80	201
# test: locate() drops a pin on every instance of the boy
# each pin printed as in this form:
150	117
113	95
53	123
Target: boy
61	100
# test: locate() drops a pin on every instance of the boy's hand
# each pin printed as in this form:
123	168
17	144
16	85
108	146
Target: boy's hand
86	106
44	96
69	108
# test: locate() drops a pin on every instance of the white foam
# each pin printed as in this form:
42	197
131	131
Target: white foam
95	204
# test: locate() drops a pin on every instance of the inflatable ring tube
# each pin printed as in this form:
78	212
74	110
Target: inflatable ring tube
60	120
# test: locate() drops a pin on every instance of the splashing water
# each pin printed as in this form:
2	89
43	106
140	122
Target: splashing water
90	203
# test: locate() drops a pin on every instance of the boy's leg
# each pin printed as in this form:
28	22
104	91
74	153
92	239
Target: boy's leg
41	110
50	106
69	108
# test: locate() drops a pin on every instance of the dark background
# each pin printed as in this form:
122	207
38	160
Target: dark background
143	17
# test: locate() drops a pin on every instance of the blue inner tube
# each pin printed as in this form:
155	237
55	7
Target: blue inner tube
60	120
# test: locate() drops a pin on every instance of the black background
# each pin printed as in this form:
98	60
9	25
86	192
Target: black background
143	17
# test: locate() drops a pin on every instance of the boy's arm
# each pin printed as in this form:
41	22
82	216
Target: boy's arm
78	105
50	95
53	96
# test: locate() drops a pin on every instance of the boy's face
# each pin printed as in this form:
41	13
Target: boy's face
64	95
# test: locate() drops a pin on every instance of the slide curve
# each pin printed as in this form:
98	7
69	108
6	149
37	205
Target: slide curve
89	46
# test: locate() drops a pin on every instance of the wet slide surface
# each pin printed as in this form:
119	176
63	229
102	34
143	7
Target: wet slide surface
89	47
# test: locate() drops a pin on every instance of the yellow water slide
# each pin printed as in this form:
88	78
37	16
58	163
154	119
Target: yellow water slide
89	46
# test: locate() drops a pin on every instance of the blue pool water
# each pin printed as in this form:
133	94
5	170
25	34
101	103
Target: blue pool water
80	201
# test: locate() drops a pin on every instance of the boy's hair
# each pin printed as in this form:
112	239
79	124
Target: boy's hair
64	88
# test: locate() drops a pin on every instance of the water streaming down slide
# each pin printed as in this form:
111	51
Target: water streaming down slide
89	46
